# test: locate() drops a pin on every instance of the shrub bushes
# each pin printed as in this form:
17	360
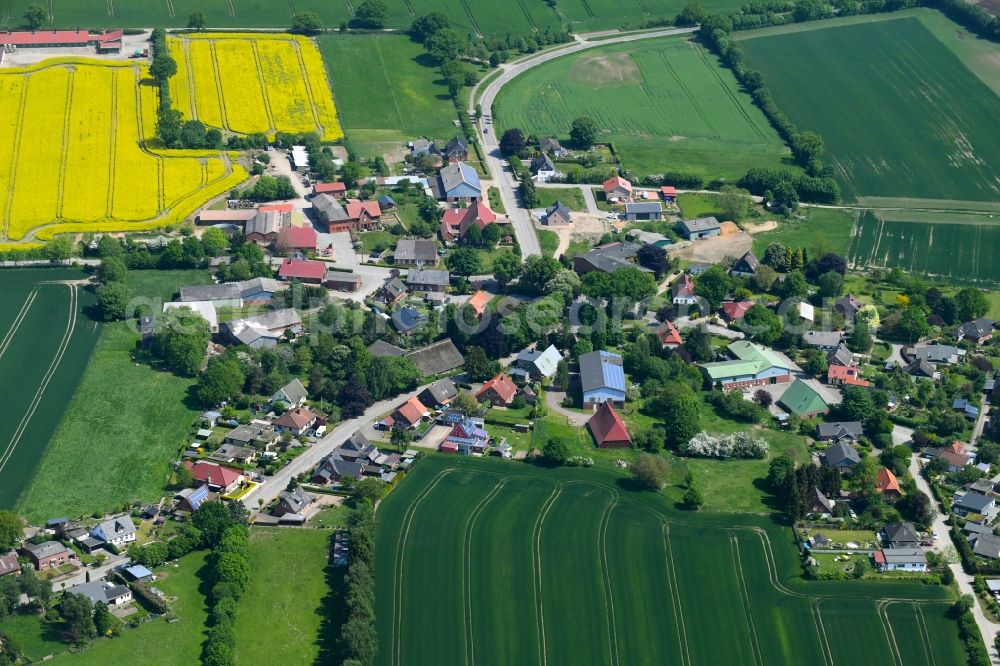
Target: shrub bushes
230	574
358	638
736	445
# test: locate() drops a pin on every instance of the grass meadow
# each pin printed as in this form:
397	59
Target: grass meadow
46	340
387	92
572	198
901	115
163	643
482	560
292	591
820	231
133	419
666	104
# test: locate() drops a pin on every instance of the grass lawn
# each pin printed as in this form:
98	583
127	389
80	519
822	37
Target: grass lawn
372	241
31	636
698	205
823	230
665	104
578	246
496	203
387	92
486	256
132	418
549	241
889	99
572	198
289	594
331	517
174	644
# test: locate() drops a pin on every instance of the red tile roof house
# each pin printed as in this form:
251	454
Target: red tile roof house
295	421
456	221
410	413
478	302
499	391
735	310
841	375
669	336
617	187
219	479
297	238
338	189
303	270
9	564
683	291
608	429
363	213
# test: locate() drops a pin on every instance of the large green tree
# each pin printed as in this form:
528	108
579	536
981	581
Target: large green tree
372	15
181	339
970	304
680	408
713	285
583	132
11	530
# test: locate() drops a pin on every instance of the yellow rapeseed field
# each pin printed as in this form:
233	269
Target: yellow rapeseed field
254	83
72	154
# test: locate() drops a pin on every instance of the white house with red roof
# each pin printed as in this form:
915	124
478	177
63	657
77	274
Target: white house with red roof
668	335
617	188
683	291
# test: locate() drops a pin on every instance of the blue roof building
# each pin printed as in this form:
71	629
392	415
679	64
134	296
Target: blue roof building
602	378
458	181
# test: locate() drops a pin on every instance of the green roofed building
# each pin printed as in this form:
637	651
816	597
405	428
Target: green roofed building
803	400
751	365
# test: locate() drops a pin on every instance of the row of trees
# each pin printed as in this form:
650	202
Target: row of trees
223	529
358	637
171	128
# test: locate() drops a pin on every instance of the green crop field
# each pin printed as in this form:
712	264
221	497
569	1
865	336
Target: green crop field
290	595
953	246
467	16
503	563
45	341
133	419
386	92
901	115
666	104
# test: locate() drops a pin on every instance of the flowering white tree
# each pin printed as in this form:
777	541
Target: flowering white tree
736	445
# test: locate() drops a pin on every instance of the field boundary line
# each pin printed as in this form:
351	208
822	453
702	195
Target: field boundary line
14	156
64	148
586	7
16	324
925	637
675	596
397	588
7	9
392	94
111	8
881	608
732	95
472	17
112	168
263	85
53	366
470	645
218	85
745	598
192	88
606	575
309	89
824	643
536	570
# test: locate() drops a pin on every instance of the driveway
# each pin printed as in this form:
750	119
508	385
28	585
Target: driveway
553	400
721	331
281	165
343	249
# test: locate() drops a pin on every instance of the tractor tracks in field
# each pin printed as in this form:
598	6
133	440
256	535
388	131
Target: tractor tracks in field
13	158
46	379
882	609
397	587
824	642
470	644
609	596
16	324
536	572
64	148
675	596
745	596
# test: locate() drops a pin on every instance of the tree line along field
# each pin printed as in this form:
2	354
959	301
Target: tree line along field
487	562
413	100
901	115
253	83
486	17
962	247
72	156
132	418
666	104
45	341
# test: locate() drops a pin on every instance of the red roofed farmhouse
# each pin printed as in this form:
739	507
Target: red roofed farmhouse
456	221
302	270
500	391
617	187
608	428
410	413
297	238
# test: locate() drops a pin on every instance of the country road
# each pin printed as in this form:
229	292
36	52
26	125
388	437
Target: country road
273	485
520	218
